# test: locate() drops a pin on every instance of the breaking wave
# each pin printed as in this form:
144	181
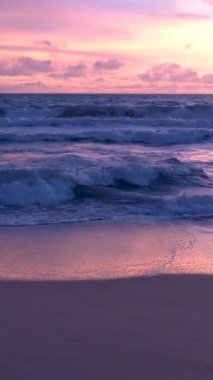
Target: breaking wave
189	205
44	197
28	187
20	187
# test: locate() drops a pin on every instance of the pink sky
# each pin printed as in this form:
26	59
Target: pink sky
138	46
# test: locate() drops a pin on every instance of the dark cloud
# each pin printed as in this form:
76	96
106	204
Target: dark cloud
25	66
75	71
111	64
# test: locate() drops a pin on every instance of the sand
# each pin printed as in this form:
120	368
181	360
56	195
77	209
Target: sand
146	328
104	250
143	328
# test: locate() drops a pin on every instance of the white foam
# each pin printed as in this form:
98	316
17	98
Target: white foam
21	188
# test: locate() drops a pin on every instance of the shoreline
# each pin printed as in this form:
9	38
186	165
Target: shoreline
104	250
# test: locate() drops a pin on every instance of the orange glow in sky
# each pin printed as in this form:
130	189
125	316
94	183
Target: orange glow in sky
127	46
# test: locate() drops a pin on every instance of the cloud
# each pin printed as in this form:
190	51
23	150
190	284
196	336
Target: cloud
116	17
99	79
187	16
48	46
25	87
39	46
44	43
33	85
81	69
208	78
169	72
25	66
111	64
75	71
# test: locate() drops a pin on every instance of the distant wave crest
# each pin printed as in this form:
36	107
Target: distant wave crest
176	111
119	135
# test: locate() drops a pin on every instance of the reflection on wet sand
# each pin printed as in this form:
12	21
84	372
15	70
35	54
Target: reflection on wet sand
104	250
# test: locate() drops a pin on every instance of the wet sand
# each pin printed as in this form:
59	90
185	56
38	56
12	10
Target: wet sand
105	250
157	327
142	328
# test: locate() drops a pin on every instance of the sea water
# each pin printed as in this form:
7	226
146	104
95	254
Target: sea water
73	158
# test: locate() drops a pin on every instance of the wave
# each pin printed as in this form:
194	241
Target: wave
22	187
164	110
119	135
56	164
31	187
167	172
200	111
189	205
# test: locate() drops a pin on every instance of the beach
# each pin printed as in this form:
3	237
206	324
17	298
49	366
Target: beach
143	328
106	248
150	325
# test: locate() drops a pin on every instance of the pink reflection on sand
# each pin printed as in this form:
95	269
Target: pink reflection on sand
103	251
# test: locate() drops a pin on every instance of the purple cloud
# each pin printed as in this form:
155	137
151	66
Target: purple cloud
37	84
25	66
170	72
208	78
81	69
75	71
25	87
111	64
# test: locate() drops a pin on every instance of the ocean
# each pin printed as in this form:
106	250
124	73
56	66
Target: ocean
74	158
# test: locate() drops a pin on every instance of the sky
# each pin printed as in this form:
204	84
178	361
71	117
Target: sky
106	46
